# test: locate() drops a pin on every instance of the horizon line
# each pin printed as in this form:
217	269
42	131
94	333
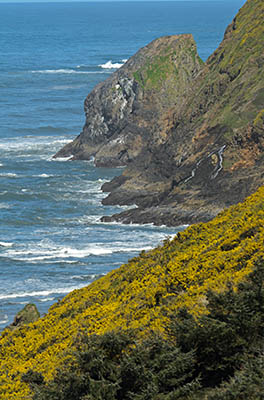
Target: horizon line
106	1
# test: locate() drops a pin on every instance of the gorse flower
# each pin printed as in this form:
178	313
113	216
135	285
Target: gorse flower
142	294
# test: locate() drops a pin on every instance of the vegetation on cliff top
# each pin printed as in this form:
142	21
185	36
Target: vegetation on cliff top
241	59
165	67
141	295
229	94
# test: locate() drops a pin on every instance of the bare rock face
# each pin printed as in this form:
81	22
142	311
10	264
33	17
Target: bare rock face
124	114
190	134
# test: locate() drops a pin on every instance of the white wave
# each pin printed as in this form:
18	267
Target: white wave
58	71
95	190
43	176
1	165
4	319
6	244
85	277
45	260
130	207
182	227
90	219
66	87
2	205
33	280
9	175
47	253
47	299
110	65
33	144
61	140
40	293
62	158
133	249
124	60
135	225
64	71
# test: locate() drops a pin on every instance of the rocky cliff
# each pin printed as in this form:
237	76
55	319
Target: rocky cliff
191	134
125	114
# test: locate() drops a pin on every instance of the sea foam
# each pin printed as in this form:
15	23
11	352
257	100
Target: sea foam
9	175
64	71
110	65
4	319
6	244
41	293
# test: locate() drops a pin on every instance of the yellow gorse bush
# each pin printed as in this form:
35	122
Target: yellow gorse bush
140	294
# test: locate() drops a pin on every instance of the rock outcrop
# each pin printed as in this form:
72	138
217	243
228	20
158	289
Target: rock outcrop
190	134
26	316
125	114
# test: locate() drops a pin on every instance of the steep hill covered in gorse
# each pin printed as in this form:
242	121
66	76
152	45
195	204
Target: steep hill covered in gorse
141	295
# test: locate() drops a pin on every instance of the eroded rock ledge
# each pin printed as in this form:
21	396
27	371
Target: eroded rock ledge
191	135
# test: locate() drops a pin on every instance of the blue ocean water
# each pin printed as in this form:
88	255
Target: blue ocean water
51	56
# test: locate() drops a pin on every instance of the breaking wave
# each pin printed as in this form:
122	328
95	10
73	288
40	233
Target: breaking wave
64	71
110	65
42	293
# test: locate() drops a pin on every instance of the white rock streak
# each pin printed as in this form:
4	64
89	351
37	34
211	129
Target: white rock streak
219	167
216	170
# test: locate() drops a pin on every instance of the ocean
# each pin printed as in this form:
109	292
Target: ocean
51	57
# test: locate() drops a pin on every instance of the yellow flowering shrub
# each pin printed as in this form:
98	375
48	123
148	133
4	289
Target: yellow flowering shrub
140	294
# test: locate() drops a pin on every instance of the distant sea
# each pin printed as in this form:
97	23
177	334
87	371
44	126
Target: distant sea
51	57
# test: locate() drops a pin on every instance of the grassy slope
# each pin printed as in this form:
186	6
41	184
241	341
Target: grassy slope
225	103
142	293
242	57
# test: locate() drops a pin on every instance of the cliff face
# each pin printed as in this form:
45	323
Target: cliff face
124	114
191	135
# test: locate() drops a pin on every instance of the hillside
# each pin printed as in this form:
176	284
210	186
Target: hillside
142	295
191	134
